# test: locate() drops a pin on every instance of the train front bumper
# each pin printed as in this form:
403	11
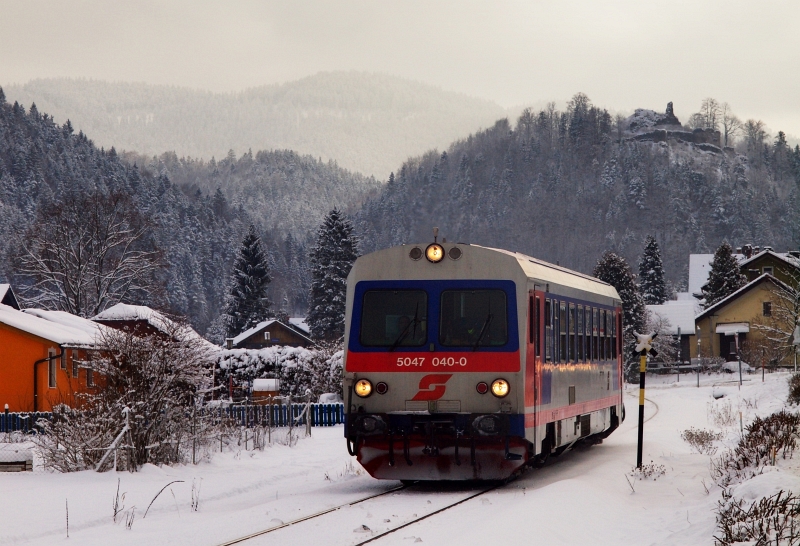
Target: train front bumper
422	446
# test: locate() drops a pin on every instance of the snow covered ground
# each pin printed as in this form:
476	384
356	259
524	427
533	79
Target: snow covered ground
582	497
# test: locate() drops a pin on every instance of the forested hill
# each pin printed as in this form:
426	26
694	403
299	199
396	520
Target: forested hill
285	191
565	186
194	228
366	122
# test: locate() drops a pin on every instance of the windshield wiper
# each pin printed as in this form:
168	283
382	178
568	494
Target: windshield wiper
403	334
484	329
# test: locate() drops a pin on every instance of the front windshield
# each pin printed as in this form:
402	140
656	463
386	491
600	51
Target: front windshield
394	318
475	318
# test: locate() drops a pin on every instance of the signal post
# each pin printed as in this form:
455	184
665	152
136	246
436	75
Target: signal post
643	347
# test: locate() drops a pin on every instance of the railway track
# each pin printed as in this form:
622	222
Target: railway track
251	538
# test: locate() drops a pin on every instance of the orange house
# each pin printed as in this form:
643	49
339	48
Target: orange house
43	358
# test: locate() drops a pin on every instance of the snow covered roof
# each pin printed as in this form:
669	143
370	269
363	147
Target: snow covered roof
779	255
126	312
250	331
679	314
56	326
261	326
700	267
752	284
300	322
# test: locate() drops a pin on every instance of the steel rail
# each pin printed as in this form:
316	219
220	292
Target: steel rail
308	517
448	507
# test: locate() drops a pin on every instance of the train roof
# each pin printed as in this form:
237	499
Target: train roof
396	258
536	269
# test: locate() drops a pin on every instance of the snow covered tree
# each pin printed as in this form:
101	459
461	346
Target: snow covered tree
613	269
724	278
247	303
331	261
651	274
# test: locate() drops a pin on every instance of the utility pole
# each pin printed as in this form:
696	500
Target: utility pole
680	355
739	358
643	347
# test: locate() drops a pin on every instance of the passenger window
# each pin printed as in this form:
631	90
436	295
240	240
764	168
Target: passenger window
614	335
548	330
536	327
562	319
595	326
581	327
572	328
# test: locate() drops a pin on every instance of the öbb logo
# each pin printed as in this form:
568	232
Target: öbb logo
432	387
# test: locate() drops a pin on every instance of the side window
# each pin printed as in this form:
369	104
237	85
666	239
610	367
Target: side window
602	334
581	328
614	335
562	324
766	308
89	377
595	330
548	330
536	340
51	369
74	363
572	330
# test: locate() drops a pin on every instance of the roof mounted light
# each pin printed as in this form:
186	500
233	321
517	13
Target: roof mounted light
434	253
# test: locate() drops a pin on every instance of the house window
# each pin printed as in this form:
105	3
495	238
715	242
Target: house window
63	360
767	270
89	377
267	336
51	369
74	363
767	308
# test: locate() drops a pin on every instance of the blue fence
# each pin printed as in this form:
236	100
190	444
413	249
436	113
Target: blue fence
22	422
322	415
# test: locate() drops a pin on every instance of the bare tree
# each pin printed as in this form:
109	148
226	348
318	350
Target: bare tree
755	133
88	252
731	125
696	121
711	111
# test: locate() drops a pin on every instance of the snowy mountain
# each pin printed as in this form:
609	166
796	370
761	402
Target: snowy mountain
364	122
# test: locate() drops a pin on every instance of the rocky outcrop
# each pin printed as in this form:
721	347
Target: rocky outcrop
650	126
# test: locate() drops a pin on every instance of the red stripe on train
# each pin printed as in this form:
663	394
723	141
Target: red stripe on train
564	412
450	362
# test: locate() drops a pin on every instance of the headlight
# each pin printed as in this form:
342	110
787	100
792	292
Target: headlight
500	388
363	388
434	253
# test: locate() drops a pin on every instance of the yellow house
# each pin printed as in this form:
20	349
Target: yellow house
736	316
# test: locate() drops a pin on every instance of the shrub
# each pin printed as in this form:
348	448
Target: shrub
764	440
144	405
770	520
701	440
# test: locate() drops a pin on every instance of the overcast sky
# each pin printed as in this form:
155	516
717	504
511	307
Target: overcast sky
623	54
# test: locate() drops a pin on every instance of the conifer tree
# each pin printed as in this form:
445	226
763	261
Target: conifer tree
247	302
725	278
651	274
614	270
331	261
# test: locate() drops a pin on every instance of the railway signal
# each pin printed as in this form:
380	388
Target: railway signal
643	348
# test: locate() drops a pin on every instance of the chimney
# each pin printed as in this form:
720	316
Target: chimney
229	343
738	250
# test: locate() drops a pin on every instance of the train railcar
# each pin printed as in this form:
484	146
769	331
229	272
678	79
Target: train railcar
466	362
